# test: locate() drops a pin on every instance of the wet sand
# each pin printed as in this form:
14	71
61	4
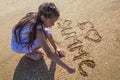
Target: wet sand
88	31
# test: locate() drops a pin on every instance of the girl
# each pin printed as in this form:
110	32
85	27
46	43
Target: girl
30	34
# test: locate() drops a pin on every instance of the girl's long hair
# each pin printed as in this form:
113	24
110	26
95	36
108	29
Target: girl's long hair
48	10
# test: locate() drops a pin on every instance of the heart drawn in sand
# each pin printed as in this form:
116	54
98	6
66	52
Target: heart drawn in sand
93	35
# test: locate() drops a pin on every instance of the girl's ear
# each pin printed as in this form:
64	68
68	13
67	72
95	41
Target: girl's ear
43	18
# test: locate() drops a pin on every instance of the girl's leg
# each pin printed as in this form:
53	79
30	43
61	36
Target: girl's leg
35	55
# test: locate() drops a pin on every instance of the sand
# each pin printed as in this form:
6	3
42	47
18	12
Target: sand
88	31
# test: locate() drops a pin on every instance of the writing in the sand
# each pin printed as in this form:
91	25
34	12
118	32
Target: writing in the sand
75	44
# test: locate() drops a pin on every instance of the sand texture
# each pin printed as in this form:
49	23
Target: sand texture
87	30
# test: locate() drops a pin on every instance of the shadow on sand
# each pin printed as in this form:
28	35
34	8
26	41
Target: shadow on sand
34	70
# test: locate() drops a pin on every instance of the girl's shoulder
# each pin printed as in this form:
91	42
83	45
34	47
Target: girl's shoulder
47	30
26	28
29	28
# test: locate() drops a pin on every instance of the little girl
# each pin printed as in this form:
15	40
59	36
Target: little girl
31	33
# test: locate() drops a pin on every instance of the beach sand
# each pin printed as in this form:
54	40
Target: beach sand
88	31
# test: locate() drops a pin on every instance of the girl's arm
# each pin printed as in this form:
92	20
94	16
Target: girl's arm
59	52
50	54
51	40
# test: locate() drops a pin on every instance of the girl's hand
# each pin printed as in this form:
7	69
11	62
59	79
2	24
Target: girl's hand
60	53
